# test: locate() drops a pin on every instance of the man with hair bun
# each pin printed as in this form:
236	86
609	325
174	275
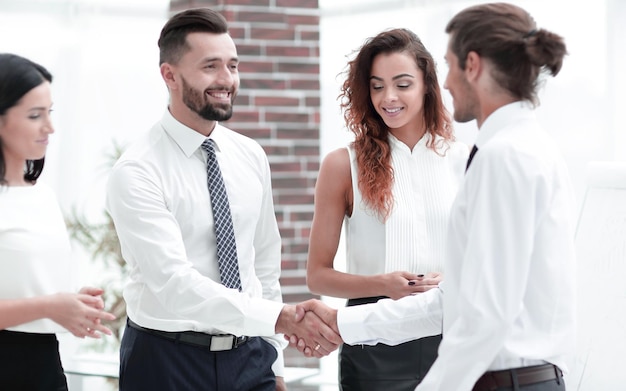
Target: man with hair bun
507	303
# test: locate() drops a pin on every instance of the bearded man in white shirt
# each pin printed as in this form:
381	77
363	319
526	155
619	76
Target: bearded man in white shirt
197	320
507	303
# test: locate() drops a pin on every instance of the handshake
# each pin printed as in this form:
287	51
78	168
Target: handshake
310	327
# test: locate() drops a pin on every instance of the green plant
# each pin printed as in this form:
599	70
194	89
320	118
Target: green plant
101	242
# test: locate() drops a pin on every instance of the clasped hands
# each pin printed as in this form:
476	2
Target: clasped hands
310	327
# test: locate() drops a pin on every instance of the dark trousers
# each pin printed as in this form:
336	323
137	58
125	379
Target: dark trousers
512	377
383	367
30	362
550	385
149	362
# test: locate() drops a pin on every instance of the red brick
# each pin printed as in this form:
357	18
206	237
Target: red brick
276	150
297	3
256	133
296	199
286	232
244	49
286	34
243	115
289	183
312	20
276	101
298	133
242	100
310	36
263	84
286	117
301	216
301	84
312	101
255	66
288	51
285	167
301	280
256	3
313	166
261	17
307	150
236	33
293	67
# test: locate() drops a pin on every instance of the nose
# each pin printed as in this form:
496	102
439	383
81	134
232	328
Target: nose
48	128
225	76
390	95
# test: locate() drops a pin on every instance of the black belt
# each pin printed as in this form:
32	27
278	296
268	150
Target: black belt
215	343
526	375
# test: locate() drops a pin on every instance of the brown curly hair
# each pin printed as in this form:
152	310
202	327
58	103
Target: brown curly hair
371	145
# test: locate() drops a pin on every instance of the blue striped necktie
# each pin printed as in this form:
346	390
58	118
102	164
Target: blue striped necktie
224	233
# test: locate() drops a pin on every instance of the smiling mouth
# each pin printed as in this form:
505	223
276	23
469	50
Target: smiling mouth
392	110
223	95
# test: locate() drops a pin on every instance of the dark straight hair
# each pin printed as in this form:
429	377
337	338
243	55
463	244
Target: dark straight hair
173	39
19	75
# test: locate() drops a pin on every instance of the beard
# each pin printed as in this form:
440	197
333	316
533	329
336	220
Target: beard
465	105
195	100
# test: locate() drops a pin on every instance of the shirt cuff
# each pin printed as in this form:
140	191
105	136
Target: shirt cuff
350	321
262	315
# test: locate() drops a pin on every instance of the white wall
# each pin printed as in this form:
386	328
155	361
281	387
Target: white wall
104	59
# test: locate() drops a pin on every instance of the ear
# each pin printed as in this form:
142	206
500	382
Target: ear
169	75
473	66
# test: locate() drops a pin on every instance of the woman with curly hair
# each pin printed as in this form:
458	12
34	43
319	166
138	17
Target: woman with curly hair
392	189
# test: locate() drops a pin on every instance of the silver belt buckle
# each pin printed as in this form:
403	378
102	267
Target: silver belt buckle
221	342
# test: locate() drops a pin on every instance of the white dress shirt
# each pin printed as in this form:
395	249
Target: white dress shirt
35	251
508	297
158	197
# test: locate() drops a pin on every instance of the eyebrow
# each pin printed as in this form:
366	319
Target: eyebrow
213	59
400	76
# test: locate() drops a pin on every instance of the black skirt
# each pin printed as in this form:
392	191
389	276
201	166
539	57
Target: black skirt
30	362
383	367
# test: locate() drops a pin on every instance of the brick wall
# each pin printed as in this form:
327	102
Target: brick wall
279	106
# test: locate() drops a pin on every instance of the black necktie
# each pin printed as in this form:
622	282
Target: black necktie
471	156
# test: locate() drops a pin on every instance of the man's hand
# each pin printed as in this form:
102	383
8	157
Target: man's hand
309	329
319	310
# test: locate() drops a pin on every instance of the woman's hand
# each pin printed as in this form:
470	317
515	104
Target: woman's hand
426	282
400	284
80	313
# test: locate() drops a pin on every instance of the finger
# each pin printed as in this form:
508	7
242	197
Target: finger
301	345
88	290
95	314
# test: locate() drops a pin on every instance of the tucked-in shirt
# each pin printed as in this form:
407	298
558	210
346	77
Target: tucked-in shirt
158	197
508	299
35	251
413	237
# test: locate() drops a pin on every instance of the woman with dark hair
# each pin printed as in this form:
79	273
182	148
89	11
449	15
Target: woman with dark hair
392	188
35	253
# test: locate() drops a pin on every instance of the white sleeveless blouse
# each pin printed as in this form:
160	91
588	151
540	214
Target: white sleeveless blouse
413	237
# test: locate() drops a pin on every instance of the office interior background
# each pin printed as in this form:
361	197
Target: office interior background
107	90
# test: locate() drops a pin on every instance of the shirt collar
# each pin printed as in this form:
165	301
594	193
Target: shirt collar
187	139
501	118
